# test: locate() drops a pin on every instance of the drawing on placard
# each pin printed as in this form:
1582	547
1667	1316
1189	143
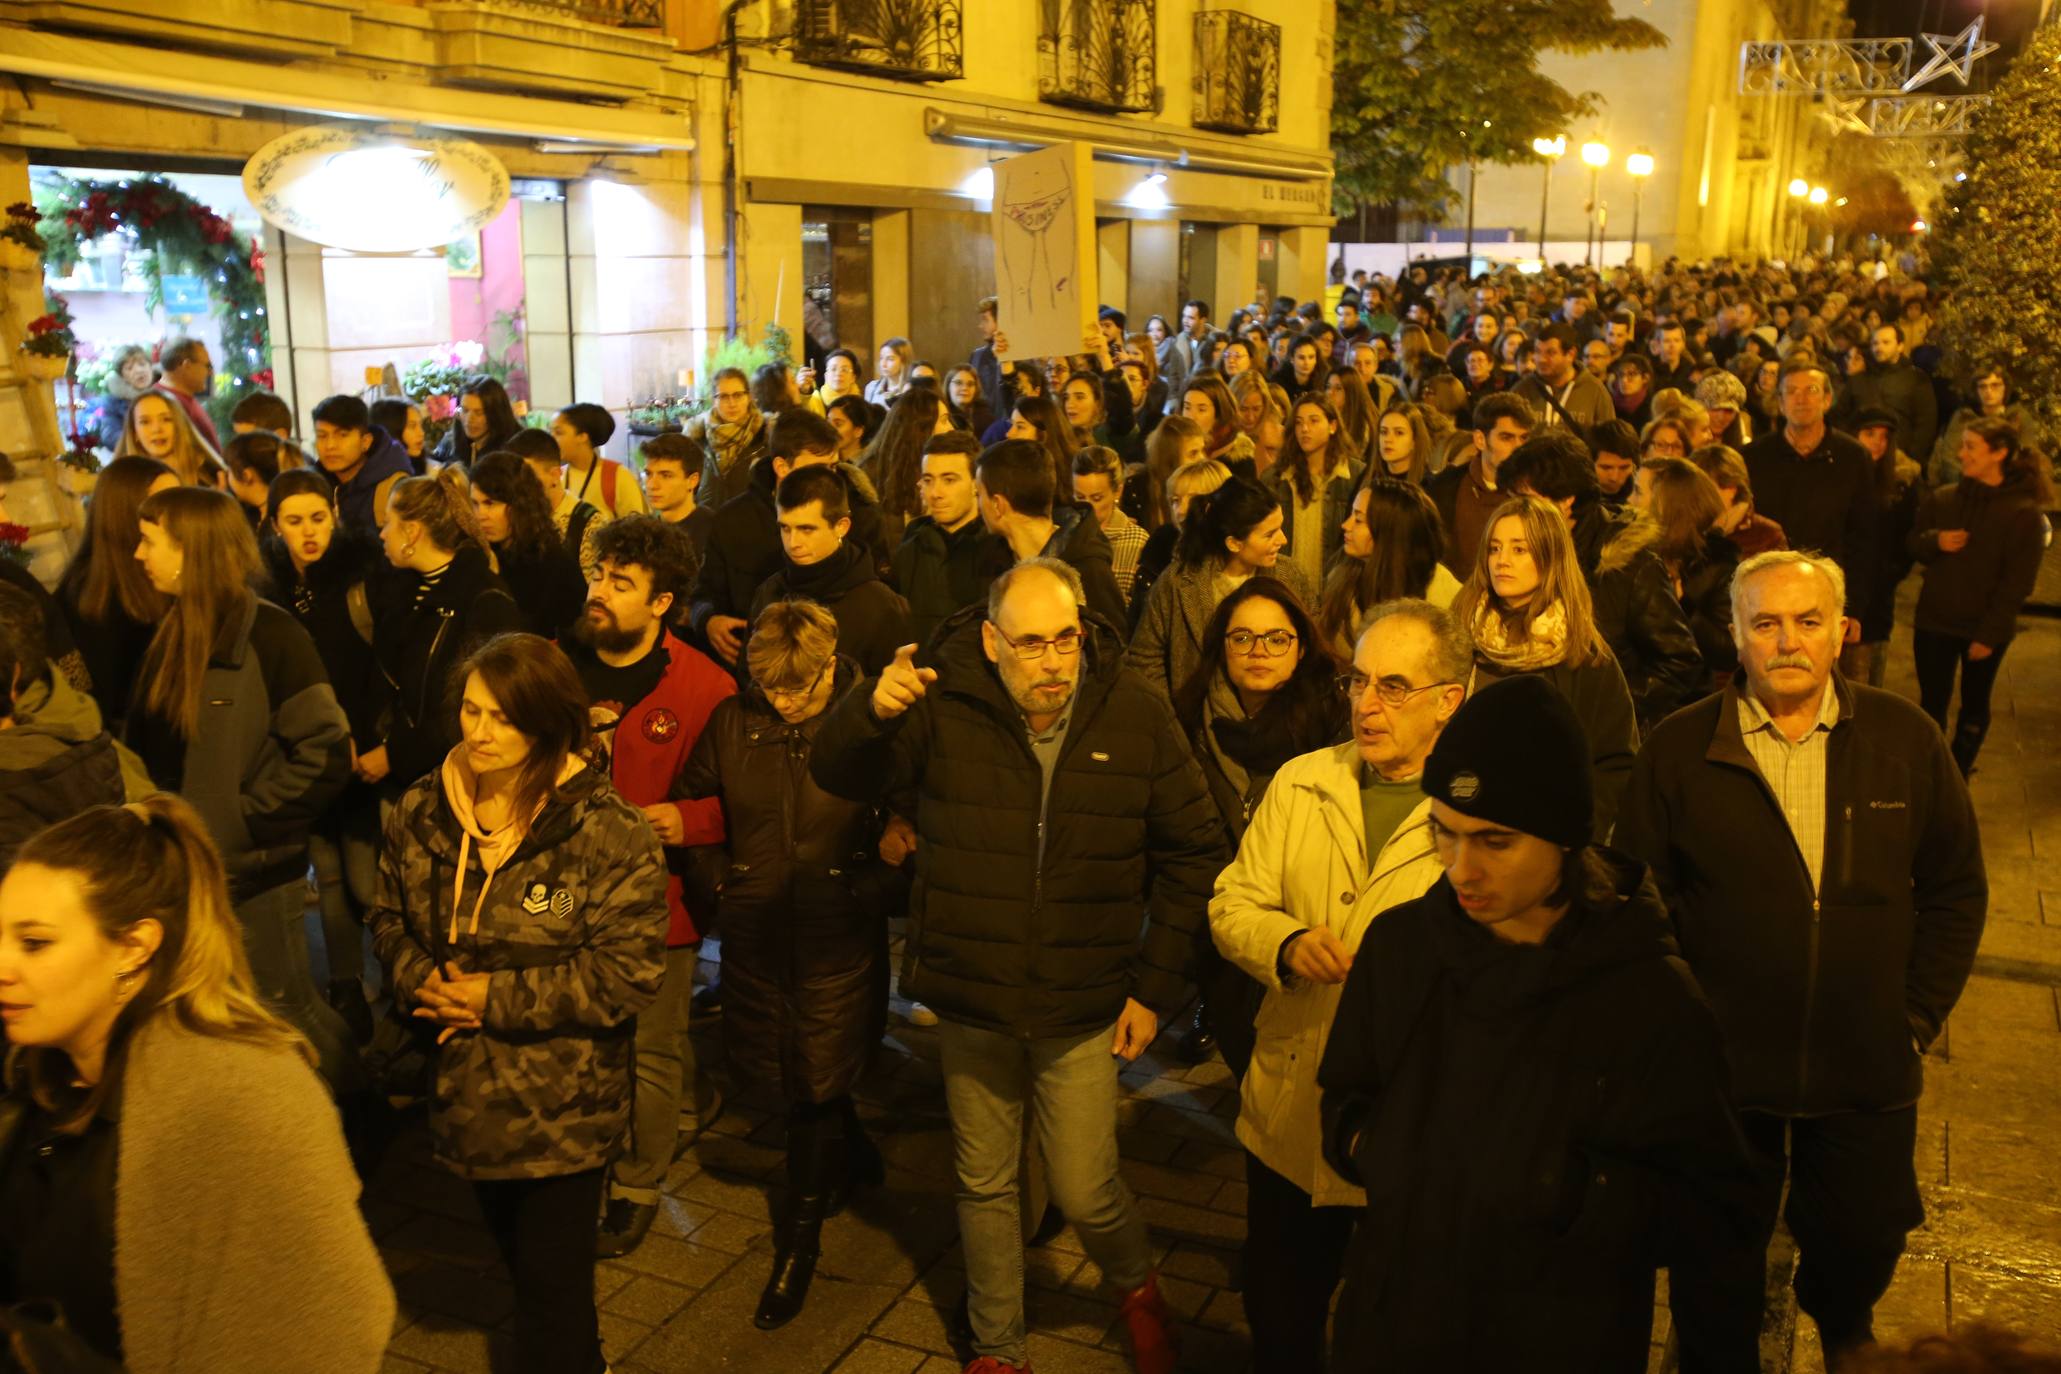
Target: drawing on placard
1037	250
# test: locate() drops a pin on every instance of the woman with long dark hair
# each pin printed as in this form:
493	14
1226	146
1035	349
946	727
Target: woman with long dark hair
894	460
533	562
485	422
1228	537
522	914
1527	606
1314	483
1264	691
324	573
1207	401
1981	541
1402	443
1298	371
235	714
109	606
1393	548
1040	420
803	906
445	600
1357	411
857	422
172	1178
962	389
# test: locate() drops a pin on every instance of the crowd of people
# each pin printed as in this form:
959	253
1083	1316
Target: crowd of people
1415	702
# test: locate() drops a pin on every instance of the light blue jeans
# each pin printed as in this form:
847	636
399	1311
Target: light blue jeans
1070	1085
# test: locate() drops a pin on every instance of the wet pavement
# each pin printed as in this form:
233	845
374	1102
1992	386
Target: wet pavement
682	1302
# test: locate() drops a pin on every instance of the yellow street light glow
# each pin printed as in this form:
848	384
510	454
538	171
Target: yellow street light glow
1639	164
1596	154
1799	188
1819	195
1549	147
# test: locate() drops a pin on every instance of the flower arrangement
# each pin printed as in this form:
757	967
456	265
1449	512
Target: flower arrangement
20	245
14	543
46	348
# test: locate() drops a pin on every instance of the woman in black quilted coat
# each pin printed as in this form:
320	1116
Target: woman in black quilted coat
802	907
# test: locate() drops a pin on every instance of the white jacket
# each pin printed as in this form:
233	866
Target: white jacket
1303	864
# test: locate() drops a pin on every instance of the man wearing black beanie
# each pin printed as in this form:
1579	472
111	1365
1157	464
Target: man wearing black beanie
1524	1076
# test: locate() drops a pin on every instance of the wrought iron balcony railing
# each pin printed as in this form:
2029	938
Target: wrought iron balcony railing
908	40
1098	54
1237	73
621	14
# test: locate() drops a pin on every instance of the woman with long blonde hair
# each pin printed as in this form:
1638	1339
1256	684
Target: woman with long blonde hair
1527	606
125	982
157	428
235	713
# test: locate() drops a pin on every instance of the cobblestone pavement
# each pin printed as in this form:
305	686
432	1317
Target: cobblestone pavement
682	1302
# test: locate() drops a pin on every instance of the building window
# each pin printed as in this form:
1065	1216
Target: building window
909	40
1237	73
1098	54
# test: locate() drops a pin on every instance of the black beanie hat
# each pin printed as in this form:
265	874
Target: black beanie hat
1515	754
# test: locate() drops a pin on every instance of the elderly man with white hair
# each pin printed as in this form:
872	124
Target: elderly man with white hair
1815	843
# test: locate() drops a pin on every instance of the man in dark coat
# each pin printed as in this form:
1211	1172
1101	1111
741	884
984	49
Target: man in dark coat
1815	843
1524	1076
1631	588
744	543
823	565
1054	798
1818	484
1892	382
942	562
1020	503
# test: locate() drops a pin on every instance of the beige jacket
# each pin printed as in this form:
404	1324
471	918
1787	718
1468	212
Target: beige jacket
1303	864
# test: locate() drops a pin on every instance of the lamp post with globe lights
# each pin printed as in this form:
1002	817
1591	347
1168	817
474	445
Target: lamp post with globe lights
1596	154
1550	150
1638	165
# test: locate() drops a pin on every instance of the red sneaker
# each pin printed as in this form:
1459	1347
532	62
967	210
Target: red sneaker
988	1364
1154	1342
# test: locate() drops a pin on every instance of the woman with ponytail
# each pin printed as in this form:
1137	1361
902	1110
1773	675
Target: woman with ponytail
522	914
446	601
175	1188
235	713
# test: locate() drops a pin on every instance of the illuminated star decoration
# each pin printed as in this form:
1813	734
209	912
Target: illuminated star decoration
1969	42
1846	115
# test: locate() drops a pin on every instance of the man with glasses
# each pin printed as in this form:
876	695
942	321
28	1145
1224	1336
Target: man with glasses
1054	798
1341	835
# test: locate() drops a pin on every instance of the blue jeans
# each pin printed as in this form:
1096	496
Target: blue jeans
344	851
1069	1082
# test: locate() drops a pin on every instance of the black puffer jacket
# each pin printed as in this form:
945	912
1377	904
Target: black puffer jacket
1706	599
1636	609
1077	540
1538	1127
549	589
802	904
419	649
1027	919
744	544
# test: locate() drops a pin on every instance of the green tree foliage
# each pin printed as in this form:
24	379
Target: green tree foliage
1996	252
1423	85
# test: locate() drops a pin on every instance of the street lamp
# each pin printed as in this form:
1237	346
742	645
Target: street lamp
1639	166
1550	149
1597	155
1819	195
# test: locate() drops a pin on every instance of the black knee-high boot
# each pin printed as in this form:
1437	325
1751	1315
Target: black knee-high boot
862	1167
813	1162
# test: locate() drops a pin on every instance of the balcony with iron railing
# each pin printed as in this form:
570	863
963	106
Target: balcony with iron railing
905	40
1237	73
1099	54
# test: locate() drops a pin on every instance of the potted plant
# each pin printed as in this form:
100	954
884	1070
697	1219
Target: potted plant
80	466
47	351
21	247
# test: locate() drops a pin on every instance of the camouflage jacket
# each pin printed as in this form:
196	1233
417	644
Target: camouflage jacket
573	931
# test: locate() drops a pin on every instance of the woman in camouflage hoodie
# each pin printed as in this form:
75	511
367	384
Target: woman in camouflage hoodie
522	910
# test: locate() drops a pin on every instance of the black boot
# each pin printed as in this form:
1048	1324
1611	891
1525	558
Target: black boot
1198	1040
812	1162
1967	743
864	1169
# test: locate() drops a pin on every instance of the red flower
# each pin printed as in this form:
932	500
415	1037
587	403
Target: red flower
45	324
263	377
14	534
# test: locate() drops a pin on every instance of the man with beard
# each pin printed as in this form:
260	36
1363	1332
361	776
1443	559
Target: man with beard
1052	794
651	694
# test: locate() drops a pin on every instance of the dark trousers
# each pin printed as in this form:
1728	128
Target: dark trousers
1939	655
1294	1257
1853	1195
544	1228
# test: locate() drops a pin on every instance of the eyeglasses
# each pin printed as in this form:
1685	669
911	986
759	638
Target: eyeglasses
1392	691
779	694
1067	642
1272	644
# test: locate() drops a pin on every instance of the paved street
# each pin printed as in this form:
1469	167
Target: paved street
682	1303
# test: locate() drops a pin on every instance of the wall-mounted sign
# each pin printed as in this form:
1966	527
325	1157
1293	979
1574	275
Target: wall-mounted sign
375	190
185	296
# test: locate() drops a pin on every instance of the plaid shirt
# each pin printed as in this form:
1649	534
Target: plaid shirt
1795	771
1126	541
